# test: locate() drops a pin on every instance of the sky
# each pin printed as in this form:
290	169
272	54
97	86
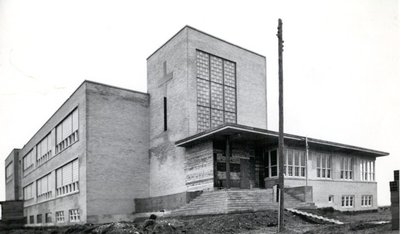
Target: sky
341	62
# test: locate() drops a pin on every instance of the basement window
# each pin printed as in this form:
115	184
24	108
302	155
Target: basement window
39	218
347	201
48	217
60	217
74	215
366	201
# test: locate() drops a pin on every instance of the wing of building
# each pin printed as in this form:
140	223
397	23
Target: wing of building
200	133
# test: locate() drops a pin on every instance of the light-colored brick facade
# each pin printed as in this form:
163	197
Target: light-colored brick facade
131	145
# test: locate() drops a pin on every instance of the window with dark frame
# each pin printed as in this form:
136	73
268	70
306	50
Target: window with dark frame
271	163
39	218
60	217
31	219
74	215
48	217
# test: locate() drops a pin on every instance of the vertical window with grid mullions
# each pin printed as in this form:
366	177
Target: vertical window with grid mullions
346	168
216	91
60	217
367	170
271	163
28	160
28	194
67	131
323	165
43	188
67	178
294	163
43	149
9	171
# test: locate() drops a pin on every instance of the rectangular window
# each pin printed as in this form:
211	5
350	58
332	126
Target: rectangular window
60	217
366	201
48	217
348	201
216	91
28	192
43	149
31	219
9	171
67	178
331	199
74	215
323	165
367	170
39	218
165	114
43	190
271	163
67	131
295	164
28	160
346	168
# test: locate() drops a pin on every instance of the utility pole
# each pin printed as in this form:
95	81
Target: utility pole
281	143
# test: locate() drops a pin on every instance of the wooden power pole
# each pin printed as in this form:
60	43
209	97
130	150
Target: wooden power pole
281	143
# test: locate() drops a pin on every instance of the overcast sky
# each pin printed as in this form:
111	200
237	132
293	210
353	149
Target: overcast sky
341	62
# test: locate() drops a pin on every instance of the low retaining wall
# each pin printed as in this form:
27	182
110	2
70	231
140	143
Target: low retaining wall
303	193
167	202
12	214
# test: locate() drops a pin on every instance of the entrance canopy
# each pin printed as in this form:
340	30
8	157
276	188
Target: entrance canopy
242	133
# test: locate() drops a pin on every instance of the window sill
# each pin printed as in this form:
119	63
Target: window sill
52	199
295	177
38	166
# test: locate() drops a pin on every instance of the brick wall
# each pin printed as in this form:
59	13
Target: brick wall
117	152
75	150
13	182
178	83
250	79
167	174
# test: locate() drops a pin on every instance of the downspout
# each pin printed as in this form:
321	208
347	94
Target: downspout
306	161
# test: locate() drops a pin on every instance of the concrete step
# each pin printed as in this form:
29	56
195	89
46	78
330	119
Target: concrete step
225	201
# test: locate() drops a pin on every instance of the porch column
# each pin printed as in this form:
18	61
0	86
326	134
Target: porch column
228	159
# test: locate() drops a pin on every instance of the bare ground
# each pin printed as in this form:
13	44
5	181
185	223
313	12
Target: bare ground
246	223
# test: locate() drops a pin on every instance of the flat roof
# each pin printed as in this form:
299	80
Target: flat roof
242	132
195	29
